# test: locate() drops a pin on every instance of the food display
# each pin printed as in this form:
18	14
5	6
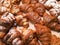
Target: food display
29	22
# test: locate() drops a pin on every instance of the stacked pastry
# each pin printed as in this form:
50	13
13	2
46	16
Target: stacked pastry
29	22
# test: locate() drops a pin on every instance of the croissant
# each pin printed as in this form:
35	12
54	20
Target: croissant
6	22
12	35
51	21
28	35
47	18
54	26
34	17
38	7
21	21
43	34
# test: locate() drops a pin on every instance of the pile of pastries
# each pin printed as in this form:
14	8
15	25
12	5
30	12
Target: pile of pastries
29	22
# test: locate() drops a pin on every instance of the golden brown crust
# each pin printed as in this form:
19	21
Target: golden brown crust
21	20
54	26
28	35
43	34
55	40
40	8
11	35
37	7
47	17
28	22
6	22
34	17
